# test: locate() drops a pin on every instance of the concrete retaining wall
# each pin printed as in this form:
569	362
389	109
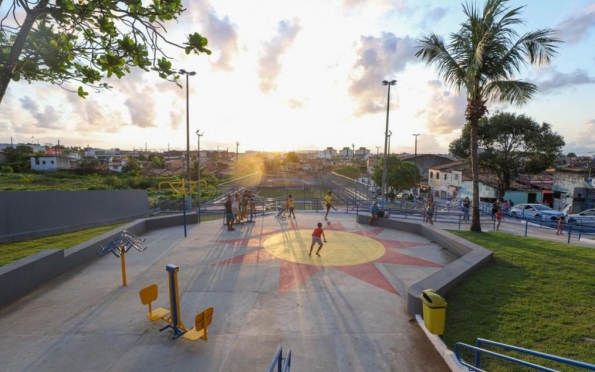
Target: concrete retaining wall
19	277
33	214
471	258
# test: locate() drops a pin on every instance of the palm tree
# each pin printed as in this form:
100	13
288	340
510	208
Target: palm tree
481	60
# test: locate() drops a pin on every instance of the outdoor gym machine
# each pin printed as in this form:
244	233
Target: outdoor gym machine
172	316
120	245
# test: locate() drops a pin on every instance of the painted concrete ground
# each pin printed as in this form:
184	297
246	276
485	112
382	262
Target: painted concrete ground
342	311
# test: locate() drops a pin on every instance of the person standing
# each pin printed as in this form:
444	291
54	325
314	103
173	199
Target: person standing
235	207
291	205
466	207
374	212
495	208
327	202
229	213
318	232
430	211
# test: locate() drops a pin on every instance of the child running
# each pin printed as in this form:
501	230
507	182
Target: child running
498	219
316	239
560	226
327	202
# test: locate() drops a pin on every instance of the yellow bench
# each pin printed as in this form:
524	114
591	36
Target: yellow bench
147	296
201	323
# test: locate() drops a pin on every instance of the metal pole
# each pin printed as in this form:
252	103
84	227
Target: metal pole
384	161
416	169
187	130
198	135
237	145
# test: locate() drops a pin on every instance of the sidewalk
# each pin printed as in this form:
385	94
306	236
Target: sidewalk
344	311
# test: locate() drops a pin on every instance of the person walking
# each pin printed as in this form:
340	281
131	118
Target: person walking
318	232
229	213
291	205
327	202
495	208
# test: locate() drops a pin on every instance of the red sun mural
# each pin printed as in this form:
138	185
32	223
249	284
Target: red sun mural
355	253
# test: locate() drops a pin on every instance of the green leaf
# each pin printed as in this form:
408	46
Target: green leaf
82	93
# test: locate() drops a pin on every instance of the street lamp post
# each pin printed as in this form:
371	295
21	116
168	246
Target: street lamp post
353	152
237	145
198	135
388	83
416	170
390	133
187	73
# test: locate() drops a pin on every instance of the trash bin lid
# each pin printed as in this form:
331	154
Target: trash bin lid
432	299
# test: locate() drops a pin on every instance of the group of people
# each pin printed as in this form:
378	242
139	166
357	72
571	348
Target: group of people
238	207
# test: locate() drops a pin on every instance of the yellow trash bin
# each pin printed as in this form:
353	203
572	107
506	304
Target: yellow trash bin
434	311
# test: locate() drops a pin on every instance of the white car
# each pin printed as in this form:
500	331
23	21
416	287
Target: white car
587	216
535	212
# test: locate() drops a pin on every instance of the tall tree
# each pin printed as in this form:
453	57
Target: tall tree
481	61
511	145
81	41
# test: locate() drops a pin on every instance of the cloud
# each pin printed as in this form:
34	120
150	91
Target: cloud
559	80
586	139
222	34
382	4
577	27
48	118
380	59
432	17
139	98
294	103
269	65
445	113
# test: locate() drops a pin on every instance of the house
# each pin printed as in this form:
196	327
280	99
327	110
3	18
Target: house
446	180
573	186
362	153
116	165
371	163
426	161
328	153
49	163
346	152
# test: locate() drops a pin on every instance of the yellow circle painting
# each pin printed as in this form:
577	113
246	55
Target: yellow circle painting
342	248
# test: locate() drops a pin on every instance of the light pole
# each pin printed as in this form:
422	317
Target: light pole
390	133
187	73
198	135
353	154
237	145
416	170
388	83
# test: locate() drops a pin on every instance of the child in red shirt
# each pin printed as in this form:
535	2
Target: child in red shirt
498	219
316	239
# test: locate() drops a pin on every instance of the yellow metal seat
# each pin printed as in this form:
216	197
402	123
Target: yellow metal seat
147	296
201	323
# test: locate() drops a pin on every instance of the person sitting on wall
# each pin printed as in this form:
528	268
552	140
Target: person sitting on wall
374	212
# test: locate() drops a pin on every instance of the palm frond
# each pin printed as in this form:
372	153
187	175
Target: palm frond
514	92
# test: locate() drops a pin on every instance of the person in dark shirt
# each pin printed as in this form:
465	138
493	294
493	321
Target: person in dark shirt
228	214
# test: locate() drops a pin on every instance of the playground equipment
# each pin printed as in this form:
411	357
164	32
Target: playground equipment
173	318
185	188
120	245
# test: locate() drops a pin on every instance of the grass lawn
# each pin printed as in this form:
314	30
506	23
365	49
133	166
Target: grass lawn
10	252
535	294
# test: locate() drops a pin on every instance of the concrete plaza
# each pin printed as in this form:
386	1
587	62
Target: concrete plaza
343	311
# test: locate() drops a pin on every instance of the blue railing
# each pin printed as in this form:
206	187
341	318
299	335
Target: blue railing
479	351
278	361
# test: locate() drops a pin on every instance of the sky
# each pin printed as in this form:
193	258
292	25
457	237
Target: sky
298	75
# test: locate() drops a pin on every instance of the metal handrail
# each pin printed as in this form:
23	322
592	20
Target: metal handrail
278	361
479	351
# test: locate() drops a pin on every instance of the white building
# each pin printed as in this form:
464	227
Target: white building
49	163
346	152
446	180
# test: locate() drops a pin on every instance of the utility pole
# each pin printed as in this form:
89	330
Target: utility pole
416	169
384	161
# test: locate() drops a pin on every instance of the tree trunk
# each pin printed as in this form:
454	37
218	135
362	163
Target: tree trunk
475	222
9	68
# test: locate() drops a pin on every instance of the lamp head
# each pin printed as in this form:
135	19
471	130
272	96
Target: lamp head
392	82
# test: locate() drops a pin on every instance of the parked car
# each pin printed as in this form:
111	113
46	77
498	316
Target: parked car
535	212
587	216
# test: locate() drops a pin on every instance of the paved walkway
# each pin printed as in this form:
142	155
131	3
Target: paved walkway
344	311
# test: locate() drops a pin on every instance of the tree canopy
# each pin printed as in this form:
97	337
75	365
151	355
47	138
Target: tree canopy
399	174
84	41
482	61
511	145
